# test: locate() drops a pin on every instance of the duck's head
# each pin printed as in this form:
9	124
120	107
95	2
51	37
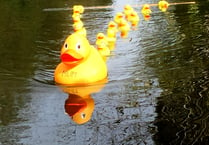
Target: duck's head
146	7
75	49
165	4
119	15
76	18
127	8
100	36
134	14
78	9
122	23
77	26
112	24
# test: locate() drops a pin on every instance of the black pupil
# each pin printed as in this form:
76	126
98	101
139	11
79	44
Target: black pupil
65	45
79	46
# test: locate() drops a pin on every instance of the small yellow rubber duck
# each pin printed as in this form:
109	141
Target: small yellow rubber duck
124	28
79	29
76	19
146	11
112	29
134	19
111	34
77	10
118	17
163	5
127	11
102	45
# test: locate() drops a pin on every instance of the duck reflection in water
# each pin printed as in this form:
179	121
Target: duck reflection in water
80	105
79	108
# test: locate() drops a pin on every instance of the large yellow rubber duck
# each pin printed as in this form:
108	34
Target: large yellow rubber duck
146	11
163	5
127	11
111	34
118	17
102	45
124	28
81	63
79	28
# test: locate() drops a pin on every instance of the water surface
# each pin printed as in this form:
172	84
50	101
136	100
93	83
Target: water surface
157	90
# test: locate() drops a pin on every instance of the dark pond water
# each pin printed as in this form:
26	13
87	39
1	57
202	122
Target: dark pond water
158	78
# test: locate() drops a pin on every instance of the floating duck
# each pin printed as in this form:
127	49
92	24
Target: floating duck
76	19
112	29
127	11
79	29
79	104
124	28
146	11
102	45
163	5
134	19
78	9
81	63
111	34
118	17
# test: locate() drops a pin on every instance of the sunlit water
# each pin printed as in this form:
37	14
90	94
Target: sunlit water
157	90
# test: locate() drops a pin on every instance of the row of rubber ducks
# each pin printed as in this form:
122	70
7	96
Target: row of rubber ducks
83	65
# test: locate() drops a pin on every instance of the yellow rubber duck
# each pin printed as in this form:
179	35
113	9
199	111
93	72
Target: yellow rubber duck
79	29
134	19
111	34
81	63
102	45
118	17
127	11
80	105
79	9
163	5
124	28
76	19
112	29
146	11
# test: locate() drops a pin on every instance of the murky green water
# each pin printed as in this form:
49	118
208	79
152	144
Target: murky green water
158	78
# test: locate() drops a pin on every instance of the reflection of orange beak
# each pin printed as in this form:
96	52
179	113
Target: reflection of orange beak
79	109
74	105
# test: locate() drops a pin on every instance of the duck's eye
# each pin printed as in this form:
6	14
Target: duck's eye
78	46
66	46
83	115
